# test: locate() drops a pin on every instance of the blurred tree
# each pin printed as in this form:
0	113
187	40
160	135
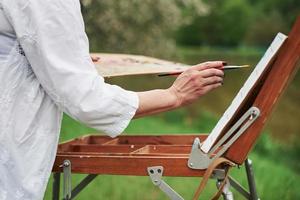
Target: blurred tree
287	9
271	17
225	24
263	29
238	22
136	26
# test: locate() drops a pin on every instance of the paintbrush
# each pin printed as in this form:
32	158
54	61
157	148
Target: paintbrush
225	68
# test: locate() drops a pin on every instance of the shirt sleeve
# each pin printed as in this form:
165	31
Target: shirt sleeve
52	35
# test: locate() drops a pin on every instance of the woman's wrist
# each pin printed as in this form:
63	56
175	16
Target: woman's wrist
175	99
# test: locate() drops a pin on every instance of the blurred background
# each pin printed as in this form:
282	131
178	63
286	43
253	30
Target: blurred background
195	31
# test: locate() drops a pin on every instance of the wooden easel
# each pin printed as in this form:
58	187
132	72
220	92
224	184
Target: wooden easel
138	155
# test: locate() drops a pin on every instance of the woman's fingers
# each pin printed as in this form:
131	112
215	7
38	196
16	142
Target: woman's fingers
208	88
211	72
207	77
207	65
212	80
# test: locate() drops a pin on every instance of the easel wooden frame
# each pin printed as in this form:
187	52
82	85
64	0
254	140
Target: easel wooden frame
131	155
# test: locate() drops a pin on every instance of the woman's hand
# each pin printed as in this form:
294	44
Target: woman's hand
197	81
189	86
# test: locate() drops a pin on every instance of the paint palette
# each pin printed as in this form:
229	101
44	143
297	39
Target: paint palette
112	65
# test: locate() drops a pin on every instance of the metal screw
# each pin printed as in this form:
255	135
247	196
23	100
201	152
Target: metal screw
66	164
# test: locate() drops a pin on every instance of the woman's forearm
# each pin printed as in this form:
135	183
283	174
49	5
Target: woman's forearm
156	101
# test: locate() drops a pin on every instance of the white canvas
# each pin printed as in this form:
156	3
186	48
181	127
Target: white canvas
244	91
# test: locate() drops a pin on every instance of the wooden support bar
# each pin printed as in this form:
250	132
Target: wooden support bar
127	165
142	150
65	146
133	149
138	139
112	142
104	148
161	139
99	139
167	149
66	154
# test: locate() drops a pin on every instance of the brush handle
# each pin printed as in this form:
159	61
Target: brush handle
225	68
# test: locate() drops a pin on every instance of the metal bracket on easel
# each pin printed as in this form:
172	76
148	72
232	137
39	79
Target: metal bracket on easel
200	160
155	174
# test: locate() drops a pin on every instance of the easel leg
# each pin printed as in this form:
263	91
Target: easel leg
251	195
251	181
68	193
55	186
226	193
67	182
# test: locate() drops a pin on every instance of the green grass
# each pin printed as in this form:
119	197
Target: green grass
275	180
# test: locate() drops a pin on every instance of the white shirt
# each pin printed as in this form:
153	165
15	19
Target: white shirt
45	69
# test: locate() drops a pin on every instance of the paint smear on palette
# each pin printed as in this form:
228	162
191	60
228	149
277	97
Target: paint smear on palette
112	65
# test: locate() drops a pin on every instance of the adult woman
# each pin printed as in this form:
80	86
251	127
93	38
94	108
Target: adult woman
46	70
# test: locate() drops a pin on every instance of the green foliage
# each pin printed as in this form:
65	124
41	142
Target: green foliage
259	35
225	24
287	9
238	22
